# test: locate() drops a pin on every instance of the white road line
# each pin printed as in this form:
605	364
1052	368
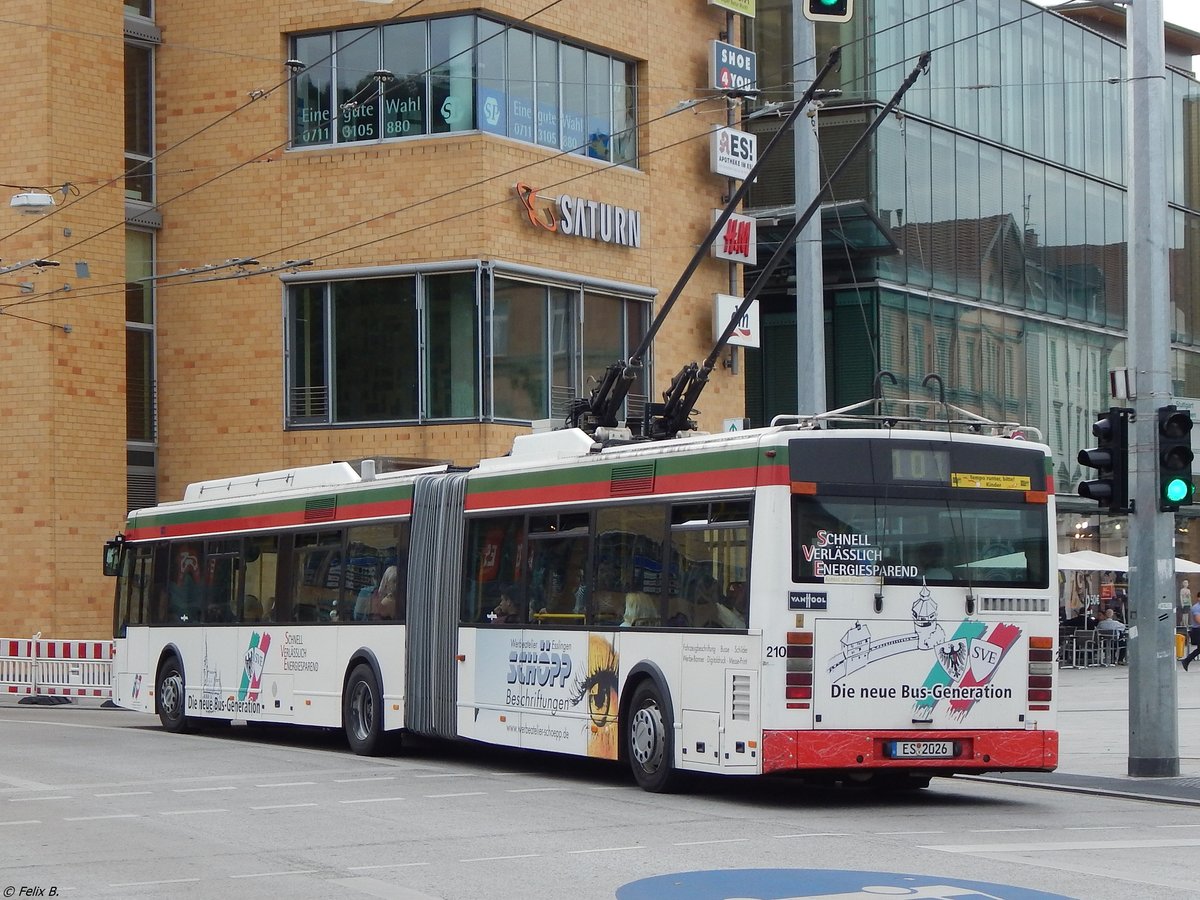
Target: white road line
125	794
276	874
495	858
226	787
35	799
448	775
191	812
94	818
999	830
385	866
533	790
1062	846
23	822
808	834
901	833
284	806
463	794
1108	827
163	881
700	843
372	800
1181	825
609	849
367	778
287	784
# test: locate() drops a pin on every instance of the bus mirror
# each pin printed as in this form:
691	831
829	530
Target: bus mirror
112	555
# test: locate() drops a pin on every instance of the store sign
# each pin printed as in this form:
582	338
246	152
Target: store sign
581	217
738	240
732	153
731	68
742	7
746	332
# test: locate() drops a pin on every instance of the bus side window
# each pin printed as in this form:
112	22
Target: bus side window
494	560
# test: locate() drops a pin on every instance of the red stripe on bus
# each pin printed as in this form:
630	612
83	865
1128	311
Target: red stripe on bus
291	518
688	482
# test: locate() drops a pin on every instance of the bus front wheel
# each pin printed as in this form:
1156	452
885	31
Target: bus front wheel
362	711
171	698
650	741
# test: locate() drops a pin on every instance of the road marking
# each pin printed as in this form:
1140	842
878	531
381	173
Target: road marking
284	806
998	830
1061	846
287	784
368	778
125	794
533	790
276	874
1181	825
495	858
163	881
372	800
94	818
809	834
901	833
191	812
609	849
463	794
23	822
699	843
448	775
385	866
227	787
35	799
1102	827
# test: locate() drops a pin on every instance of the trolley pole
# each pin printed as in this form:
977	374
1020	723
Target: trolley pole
1153	707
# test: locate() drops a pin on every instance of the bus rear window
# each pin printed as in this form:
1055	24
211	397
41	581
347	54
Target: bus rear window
909	541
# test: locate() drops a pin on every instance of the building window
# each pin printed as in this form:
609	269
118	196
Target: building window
462	73
438	346
139	122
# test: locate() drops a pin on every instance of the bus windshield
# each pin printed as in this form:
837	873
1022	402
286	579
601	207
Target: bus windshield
911	540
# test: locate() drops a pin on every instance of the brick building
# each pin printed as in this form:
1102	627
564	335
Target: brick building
313	230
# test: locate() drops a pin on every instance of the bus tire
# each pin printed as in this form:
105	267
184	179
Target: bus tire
362	711
170	698
650	740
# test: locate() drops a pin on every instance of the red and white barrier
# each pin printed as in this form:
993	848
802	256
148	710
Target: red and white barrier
56	668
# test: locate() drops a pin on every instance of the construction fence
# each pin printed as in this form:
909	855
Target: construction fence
35	667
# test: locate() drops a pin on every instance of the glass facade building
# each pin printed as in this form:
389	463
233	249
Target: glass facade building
1002	184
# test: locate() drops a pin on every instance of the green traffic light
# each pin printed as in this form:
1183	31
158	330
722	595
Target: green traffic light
1177	490
829	2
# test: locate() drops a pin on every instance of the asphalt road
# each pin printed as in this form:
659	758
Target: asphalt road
102	803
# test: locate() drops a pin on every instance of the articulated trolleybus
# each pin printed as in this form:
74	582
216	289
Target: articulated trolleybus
861	603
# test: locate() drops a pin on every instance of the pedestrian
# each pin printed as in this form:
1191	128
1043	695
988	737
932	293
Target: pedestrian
1194	634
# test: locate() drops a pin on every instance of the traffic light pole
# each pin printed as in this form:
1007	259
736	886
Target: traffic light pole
1153	708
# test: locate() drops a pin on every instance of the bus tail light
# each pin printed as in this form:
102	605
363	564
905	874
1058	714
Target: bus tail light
1041	672
798	690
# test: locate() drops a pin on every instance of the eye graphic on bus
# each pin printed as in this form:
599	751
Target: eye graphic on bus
599	688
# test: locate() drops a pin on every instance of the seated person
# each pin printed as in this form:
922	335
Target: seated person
508	610
252	610
640	610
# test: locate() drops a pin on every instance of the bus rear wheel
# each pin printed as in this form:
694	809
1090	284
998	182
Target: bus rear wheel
650	740
362	711
170	697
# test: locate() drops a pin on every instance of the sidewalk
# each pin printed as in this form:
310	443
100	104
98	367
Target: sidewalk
1093	724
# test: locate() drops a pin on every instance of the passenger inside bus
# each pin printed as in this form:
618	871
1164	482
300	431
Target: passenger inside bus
508	610
931	559
252	609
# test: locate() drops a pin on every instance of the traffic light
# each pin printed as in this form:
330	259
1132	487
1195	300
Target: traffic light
1175	485
1110	459
829	10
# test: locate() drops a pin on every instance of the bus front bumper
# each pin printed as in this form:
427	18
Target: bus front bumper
974	751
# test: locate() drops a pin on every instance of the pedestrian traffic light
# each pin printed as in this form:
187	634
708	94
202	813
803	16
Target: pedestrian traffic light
829	10
1175	485
1110	459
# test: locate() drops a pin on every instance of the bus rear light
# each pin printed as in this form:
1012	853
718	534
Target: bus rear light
794	652
1041	672
799	678
1041	643
799	693
1041	681
1039	695
1041	668
800	637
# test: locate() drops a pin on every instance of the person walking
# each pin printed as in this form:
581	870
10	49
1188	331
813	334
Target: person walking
1194	634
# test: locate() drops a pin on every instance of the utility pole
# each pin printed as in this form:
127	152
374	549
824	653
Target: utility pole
810	290
1153	706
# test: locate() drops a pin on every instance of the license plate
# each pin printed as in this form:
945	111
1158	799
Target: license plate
921	749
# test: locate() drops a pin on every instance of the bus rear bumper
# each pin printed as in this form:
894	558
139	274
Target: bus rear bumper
975	751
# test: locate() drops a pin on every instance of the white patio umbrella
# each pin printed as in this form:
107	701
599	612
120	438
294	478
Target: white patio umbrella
1092	561
1181	565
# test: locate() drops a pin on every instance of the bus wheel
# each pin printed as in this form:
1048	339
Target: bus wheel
650	740
362	711
170	699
